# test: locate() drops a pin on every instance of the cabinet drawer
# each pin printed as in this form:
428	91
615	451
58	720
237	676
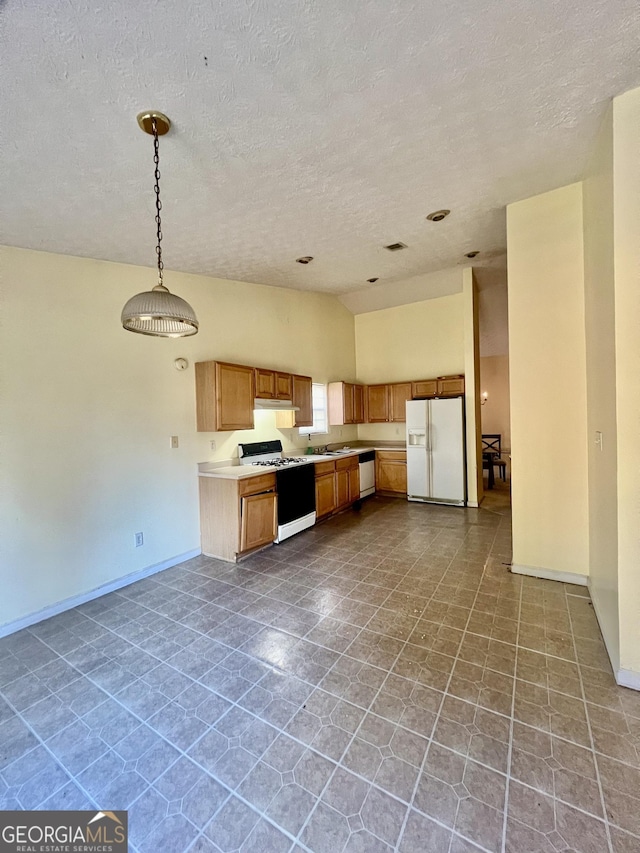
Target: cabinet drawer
391	455
253	485
325	468
346	463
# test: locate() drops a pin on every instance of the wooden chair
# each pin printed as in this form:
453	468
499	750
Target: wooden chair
491	444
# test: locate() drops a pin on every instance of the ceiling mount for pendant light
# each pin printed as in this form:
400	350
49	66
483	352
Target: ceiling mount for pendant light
158	312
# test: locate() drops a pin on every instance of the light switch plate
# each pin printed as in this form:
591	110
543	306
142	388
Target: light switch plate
174	441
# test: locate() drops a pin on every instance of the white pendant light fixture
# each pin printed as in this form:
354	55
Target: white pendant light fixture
158	312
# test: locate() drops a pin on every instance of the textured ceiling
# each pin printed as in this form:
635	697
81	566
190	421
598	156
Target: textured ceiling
300	128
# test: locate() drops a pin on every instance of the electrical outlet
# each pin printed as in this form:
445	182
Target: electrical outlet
174	442
139	540
213	445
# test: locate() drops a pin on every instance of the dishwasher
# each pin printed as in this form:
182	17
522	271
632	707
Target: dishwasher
367	464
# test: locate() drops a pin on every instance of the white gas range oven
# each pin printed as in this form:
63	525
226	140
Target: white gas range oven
295	484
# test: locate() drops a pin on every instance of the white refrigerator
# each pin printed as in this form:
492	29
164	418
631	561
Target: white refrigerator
436	470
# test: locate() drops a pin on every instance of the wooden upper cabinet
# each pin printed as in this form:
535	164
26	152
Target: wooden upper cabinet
424	388
443	386
399	393
235	393
273	385
224	396
284	386
265	384
358	404
346	403
300	395
377	404
387	402
348	394
450	386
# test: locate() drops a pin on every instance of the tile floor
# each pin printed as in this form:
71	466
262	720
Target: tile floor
379	683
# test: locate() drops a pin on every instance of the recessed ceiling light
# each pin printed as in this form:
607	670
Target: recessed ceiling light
395	247
372	280
306	259
473	254
438	215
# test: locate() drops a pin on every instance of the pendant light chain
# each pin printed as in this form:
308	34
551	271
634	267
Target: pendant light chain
158	312
156	160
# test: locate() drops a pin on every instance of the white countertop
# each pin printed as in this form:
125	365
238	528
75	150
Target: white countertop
240	472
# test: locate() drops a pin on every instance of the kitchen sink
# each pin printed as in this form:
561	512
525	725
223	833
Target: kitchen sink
339	452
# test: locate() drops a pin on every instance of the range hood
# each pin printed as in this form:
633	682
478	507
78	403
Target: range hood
275	405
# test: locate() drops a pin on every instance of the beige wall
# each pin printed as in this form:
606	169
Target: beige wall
417	341
87	411
494	379
626	219
435	337
414	341
601	385
547	383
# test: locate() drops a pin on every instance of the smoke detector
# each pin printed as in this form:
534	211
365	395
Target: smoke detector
306	259
372	280
473	254
395	247
438	215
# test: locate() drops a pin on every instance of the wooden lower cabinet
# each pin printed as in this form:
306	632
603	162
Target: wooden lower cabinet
237	516
354	483
347	480
325	494
259	520
391	471
342	489
337	485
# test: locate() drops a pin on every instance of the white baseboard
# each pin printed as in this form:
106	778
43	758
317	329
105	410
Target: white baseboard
628	678
75	600
550	574
473	503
